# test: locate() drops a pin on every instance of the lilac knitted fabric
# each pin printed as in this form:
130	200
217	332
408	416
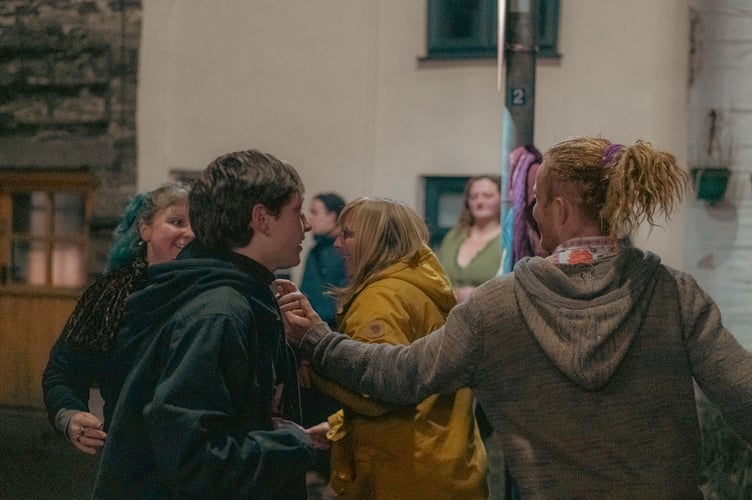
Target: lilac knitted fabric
518	192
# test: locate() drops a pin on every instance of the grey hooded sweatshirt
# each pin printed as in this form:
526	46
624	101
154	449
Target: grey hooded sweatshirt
585	370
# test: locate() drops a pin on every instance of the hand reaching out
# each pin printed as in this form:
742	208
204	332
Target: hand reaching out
318	435
298	314
85	432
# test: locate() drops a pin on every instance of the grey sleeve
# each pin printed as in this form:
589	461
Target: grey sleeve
440	362
720	365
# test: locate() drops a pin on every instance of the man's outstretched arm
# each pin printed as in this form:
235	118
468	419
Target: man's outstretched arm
440	362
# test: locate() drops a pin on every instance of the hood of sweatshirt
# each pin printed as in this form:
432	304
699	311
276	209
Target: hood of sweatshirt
173	284
585	316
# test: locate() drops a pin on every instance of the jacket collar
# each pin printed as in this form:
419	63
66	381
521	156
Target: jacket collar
196	250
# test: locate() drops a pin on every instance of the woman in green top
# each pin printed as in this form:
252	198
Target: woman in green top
471	255
471	252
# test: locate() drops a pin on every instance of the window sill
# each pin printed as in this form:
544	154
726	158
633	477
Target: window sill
441	59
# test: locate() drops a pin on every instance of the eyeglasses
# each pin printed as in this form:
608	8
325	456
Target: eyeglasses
346	233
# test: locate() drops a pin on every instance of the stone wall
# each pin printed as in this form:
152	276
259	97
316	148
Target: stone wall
68	76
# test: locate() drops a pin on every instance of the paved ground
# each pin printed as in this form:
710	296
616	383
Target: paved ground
36	463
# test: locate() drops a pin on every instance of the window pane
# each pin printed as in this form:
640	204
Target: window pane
450	206
461	19
461	28
28	263
21	212
457	23
69	214
68	265
31	213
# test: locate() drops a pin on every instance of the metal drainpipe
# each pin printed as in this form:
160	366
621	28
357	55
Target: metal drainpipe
517	126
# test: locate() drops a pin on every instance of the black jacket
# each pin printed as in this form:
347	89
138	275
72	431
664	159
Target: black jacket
194	418
324	269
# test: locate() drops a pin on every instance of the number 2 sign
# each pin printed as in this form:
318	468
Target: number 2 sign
517	97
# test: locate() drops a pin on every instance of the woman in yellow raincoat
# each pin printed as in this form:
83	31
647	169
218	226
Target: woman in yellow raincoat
397	293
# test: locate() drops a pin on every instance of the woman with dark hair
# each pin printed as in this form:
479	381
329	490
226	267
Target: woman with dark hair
324	268
154	228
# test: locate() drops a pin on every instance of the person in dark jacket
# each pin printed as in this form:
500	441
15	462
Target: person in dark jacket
154	228
209	405
324	268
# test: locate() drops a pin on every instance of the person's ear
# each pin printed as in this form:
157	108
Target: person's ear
561	210
260	219
144	231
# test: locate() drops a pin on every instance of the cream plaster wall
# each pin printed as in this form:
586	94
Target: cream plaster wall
335	87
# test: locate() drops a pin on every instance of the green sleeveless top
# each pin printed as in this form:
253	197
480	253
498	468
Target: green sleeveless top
481	268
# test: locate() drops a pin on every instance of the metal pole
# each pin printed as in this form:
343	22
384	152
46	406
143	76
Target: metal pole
517	126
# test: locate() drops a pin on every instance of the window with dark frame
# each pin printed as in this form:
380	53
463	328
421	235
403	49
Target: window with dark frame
44	231
466	29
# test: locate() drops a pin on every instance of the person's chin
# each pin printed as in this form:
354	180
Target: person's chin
293	261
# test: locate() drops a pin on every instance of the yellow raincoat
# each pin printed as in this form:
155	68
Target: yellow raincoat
429	451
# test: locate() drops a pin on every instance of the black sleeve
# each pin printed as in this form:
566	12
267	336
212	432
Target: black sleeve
207	437
67	378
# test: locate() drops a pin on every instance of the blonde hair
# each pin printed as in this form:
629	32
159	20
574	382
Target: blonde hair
387	232
619	187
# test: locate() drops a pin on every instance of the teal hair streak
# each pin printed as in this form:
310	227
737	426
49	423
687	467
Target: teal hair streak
127	240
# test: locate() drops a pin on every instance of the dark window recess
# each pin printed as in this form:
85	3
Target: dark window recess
466	29
548	29
443	203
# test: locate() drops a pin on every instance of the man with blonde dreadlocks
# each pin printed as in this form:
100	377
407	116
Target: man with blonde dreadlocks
583	360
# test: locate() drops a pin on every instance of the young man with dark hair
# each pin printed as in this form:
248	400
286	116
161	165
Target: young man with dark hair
208	405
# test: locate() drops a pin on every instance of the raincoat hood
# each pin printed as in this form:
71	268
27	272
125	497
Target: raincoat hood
585	316
427	275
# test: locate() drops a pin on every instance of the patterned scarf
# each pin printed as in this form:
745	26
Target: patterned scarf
585	250
94	322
